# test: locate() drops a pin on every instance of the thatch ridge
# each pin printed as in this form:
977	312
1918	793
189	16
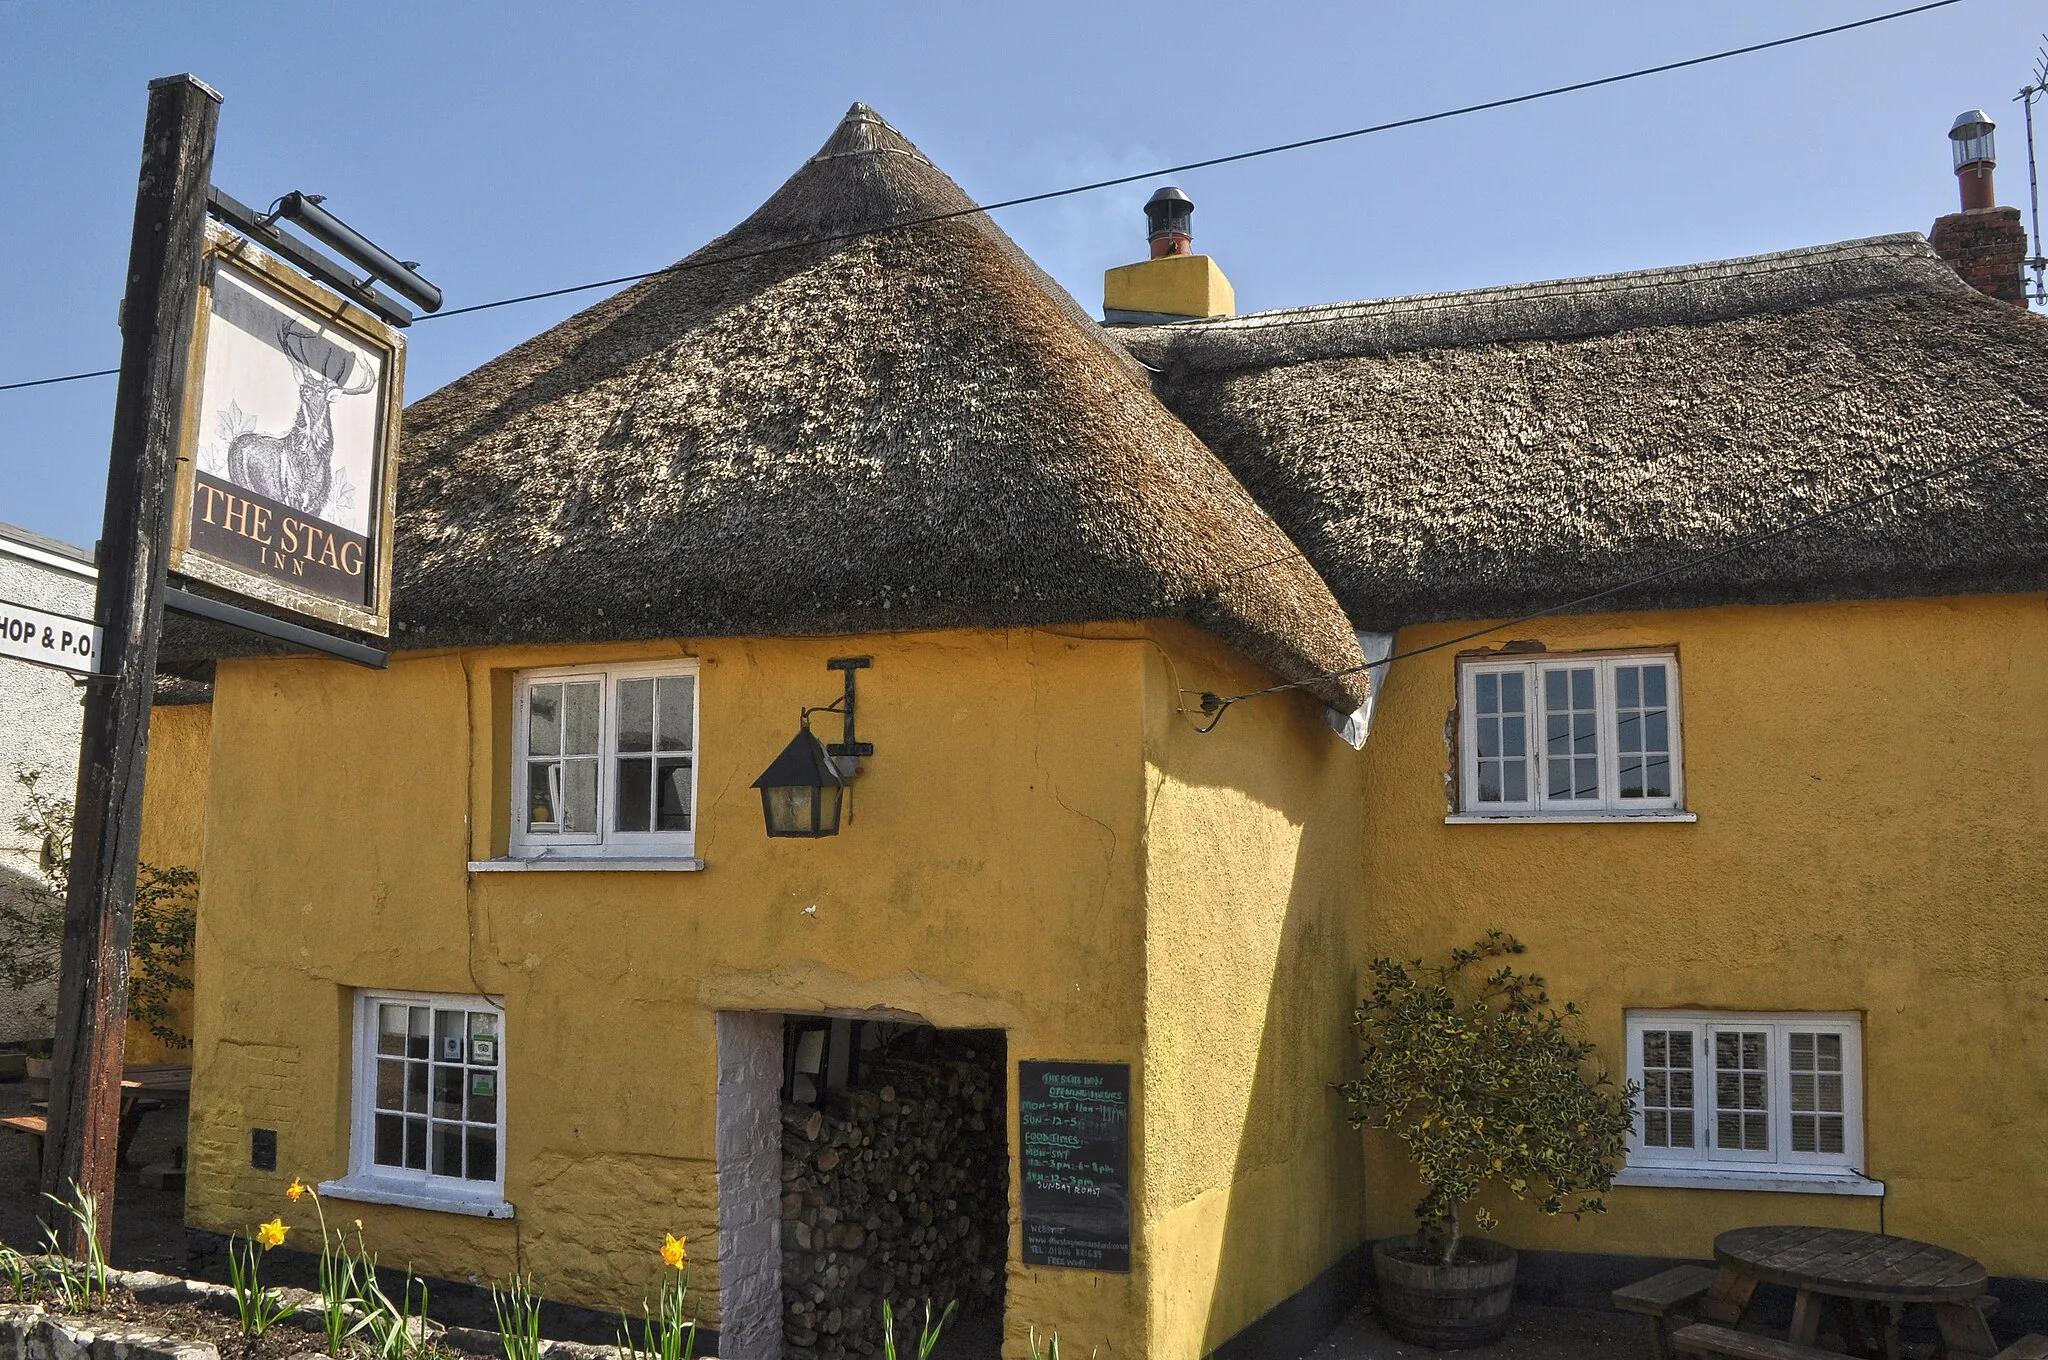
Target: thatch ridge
915	429
1557	309
1486	454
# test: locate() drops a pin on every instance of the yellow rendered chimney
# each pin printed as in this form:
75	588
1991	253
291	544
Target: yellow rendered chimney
1175	284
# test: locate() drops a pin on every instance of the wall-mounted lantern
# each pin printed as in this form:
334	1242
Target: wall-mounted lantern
804	790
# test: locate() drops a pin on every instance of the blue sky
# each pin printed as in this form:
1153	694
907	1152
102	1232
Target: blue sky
515	146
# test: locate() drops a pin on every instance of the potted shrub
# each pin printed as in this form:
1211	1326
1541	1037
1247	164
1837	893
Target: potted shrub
1470	1065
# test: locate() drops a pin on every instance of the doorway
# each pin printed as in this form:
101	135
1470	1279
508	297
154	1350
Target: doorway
892	1182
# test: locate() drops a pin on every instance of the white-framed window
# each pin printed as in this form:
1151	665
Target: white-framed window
1758	1094
605	761
1570	735
427	1107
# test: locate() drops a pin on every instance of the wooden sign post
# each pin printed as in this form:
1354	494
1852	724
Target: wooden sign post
164	259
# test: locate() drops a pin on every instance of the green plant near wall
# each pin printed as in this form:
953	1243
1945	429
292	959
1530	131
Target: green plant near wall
32	920
259	1307
927	1336
665	1332
1486	1082
76	1283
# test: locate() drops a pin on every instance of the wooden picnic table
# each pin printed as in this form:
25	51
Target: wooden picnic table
1867	1279
144	1087
158	1079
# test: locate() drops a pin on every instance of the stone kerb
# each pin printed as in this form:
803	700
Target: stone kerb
28	1331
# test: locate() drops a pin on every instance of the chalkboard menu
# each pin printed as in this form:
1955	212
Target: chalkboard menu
1074	1122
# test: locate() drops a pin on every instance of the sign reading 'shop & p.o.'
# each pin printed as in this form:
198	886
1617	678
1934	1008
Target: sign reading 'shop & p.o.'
49	639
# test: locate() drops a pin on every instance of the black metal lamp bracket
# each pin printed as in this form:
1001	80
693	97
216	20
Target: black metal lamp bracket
850	746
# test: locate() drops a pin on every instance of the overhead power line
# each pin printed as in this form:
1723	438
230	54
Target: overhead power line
1094	185
1324	140
1217	704
68	377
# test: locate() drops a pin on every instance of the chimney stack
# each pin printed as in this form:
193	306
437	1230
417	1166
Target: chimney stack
1170	223
1986	243
1976	156
1174	284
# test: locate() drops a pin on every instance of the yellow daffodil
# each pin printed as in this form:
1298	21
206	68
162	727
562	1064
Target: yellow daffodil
672	1250
295	1189
271	1234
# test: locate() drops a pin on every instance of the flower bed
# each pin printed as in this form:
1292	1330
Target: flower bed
144	1316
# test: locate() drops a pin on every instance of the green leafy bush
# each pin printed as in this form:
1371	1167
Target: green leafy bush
32	920
1486	1081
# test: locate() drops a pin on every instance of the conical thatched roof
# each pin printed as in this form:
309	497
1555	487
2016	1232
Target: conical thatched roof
915	429
1486	454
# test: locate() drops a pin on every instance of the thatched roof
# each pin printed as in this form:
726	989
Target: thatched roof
910	430
188	685
1484	454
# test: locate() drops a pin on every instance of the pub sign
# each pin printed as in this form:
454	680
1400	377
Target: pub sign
286	479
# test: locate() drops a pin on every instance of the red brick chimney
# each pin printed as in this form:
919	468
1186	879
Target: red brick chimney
1985	243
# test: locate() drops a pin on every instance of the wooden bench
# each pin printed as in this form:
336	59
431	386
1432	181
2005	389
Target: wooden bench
35	1128
1705	1338
1708	1338
1663	1297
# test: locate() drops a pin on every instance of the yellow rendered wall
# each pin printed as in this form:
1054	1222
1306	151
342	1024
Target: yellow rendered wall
1173	285
1871	782
173	828
991	876
1253	1181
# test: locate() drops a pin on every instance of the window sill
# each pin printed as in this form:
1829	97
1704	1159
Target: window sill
1566	818
1782	1182
365	1190
618	864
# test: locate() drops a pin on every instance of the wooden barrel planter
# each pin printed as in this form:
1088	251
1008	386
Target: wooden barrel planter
1445	1307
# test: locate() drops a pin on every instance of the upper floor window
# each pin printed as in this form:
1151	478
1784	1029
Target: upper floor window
1769	1094
1563	735
604	760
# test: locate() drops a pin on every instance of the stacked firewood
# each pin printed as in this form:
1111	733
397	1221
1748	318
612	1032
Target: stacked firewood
898	1189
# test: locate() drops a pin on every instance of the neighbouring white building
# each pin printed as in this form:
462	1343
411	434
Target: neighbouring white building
40	710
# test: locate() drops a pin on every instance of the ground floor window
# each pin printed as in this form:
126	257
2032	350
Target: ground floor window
1762	1094
428	1116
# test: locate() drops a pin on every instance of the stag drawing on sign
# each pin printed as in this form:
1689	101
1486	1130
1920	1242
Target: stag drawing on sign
297	467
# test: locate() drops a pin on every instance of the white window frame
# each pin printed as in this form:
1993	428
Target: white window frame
1707	1165
1608	805
372	1183
606	842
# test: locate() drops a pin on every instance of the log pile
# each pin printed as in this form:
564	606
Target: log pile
898	1189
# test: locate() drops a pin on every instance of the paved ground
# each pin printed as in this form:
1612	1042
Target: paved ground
149	1225
978	1336
1539	1334
149	1234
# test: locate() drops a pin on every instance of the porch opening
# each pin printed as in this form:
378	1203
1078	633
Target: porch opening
894	1185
